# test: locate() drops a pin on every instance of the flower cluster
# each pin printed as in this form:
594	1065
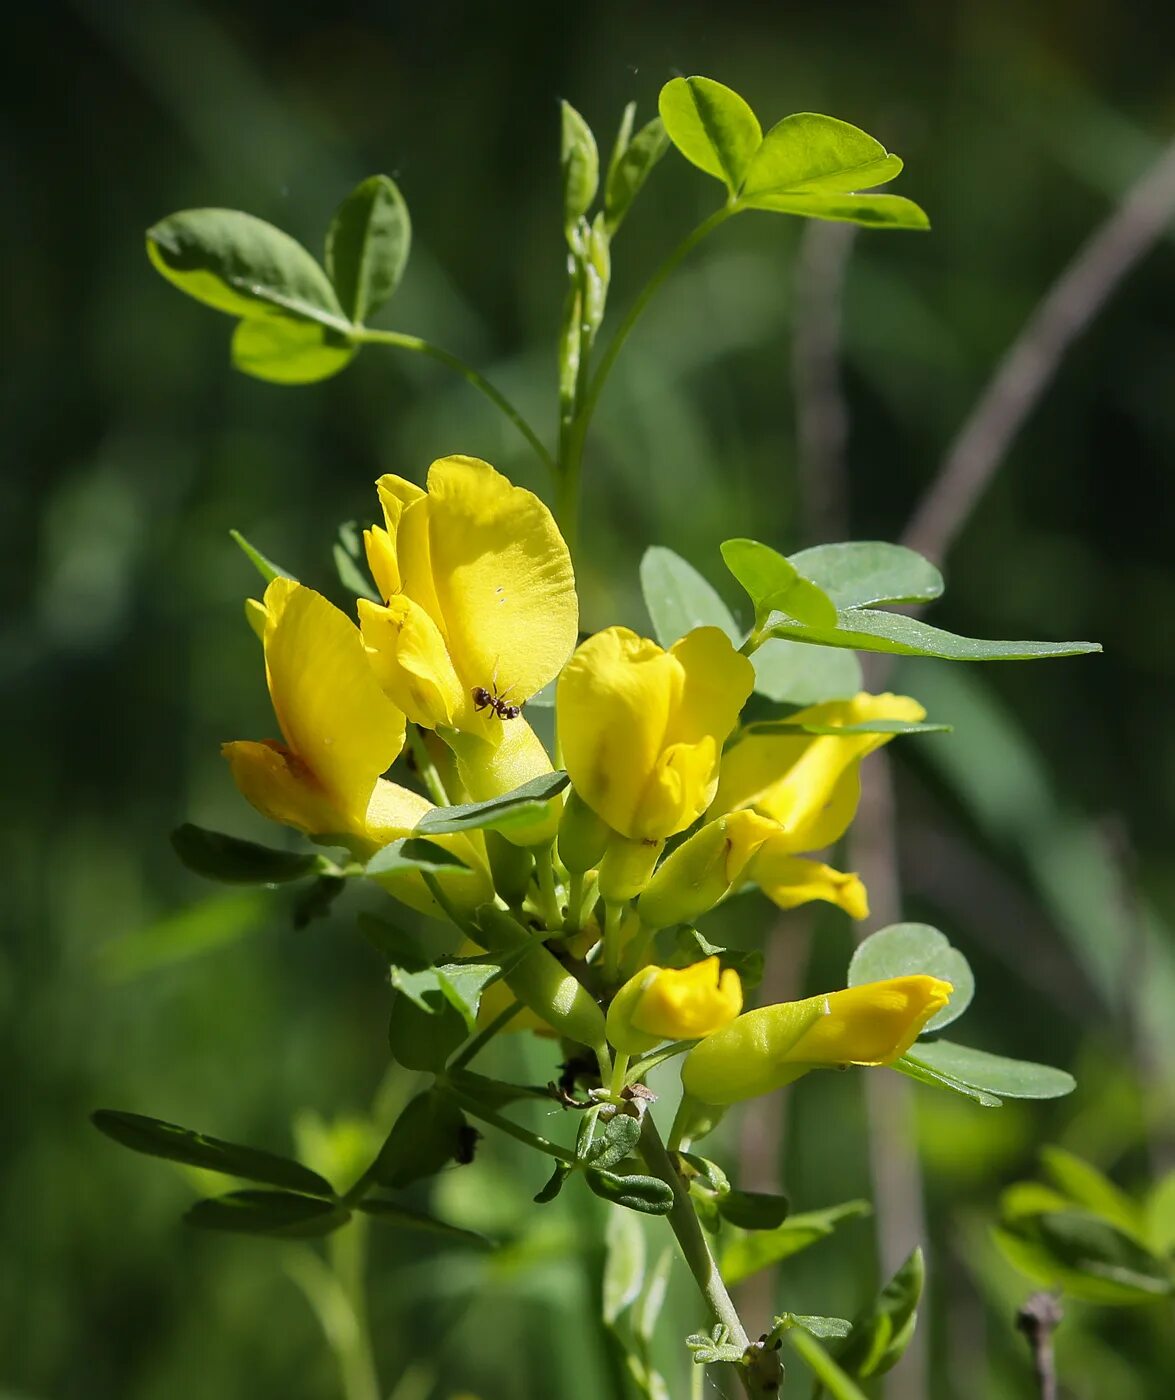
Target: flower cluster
673	805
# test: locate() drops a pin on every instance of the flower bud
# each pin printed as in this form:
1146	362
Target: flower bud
873	1024
626	867
666	1003
701	871
582	835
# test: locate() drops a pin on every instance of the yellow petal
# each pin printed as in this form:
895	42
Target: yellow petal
333	714
502	576
613	705
809	784
717	682
873	1024
381	560
689	1002
283	789
410	660
789	880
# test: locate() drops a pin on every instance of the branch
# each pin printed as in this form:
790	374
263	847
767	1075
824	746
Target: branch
1074	300
1038	1319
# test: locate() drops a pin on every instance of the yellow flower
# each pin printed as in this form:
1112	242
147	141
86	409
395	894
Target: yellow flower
666	1003
738	849
340	730
479	596
809	784
642	728
873	1024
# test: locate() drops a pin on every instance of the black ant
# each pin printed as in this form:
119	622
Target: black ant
487	700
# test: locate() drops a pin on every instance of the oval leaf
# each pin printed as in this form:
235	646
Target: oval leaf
367	246
630	169
679	599
647	1194
870	210
156	1138
283	349
236	862
753	1210
274	1213
793	674
242	265
711	126
392	1213
861	573
773	582
902	950
810	153
923	1074
746	1256
516	808
896	635
1012	1079
427	1136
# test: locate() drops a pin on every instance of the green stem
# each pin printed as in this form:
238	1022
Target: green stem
426	767
619	1074
364	336
613	918
347	1249
658	1057
545	872
484	1036
515	1130
685	1225
574	920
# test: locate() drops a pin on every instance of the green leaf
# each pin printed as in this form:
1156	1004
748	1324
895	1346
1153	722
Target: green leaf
425	1028
555	1184
1088	1187
713	1347
392	1213
711	126
273	1213
824	1328
897	635
647	1194
753	1210
862	573
624	1263
391	942
631	166
199	928
516	808
904	950
923	1074
881	1333
314	901
679	599
462	984
242	265
428	1135
617	1141
1086	1256
773	582
795	674
976	1069
414	854
873	726
351	576
807	153
367	246
155	1138
823	1367
284	349
265	567
871	210
236	862
648	1306
750	1253
494	1093
579	162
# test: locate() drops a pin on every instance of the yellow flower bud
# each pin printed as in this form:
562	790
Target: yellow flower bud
582	835
666	1003
642	729
873	1024
626	867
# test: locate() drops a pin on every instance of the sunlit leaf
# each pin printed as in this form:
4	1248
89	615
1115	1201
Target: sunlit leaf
795	674
515	808
283	349
679	599
995	1074
870	210
265	567
631	166
862	573
367	246
579	162
773	582
711	126
809	153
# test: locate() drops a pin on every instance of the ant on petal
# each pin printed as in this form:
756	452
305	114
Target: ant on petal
487	700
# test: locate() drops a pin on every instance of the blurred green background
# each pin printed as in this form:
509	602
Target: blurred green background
1038	835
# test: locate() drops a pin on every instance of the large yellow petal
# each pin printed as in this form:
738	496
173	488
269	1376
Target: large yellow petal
717	682
410	660
503	579
333	714
381	560
789	880
809	784
873	1024
283	789
613	704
